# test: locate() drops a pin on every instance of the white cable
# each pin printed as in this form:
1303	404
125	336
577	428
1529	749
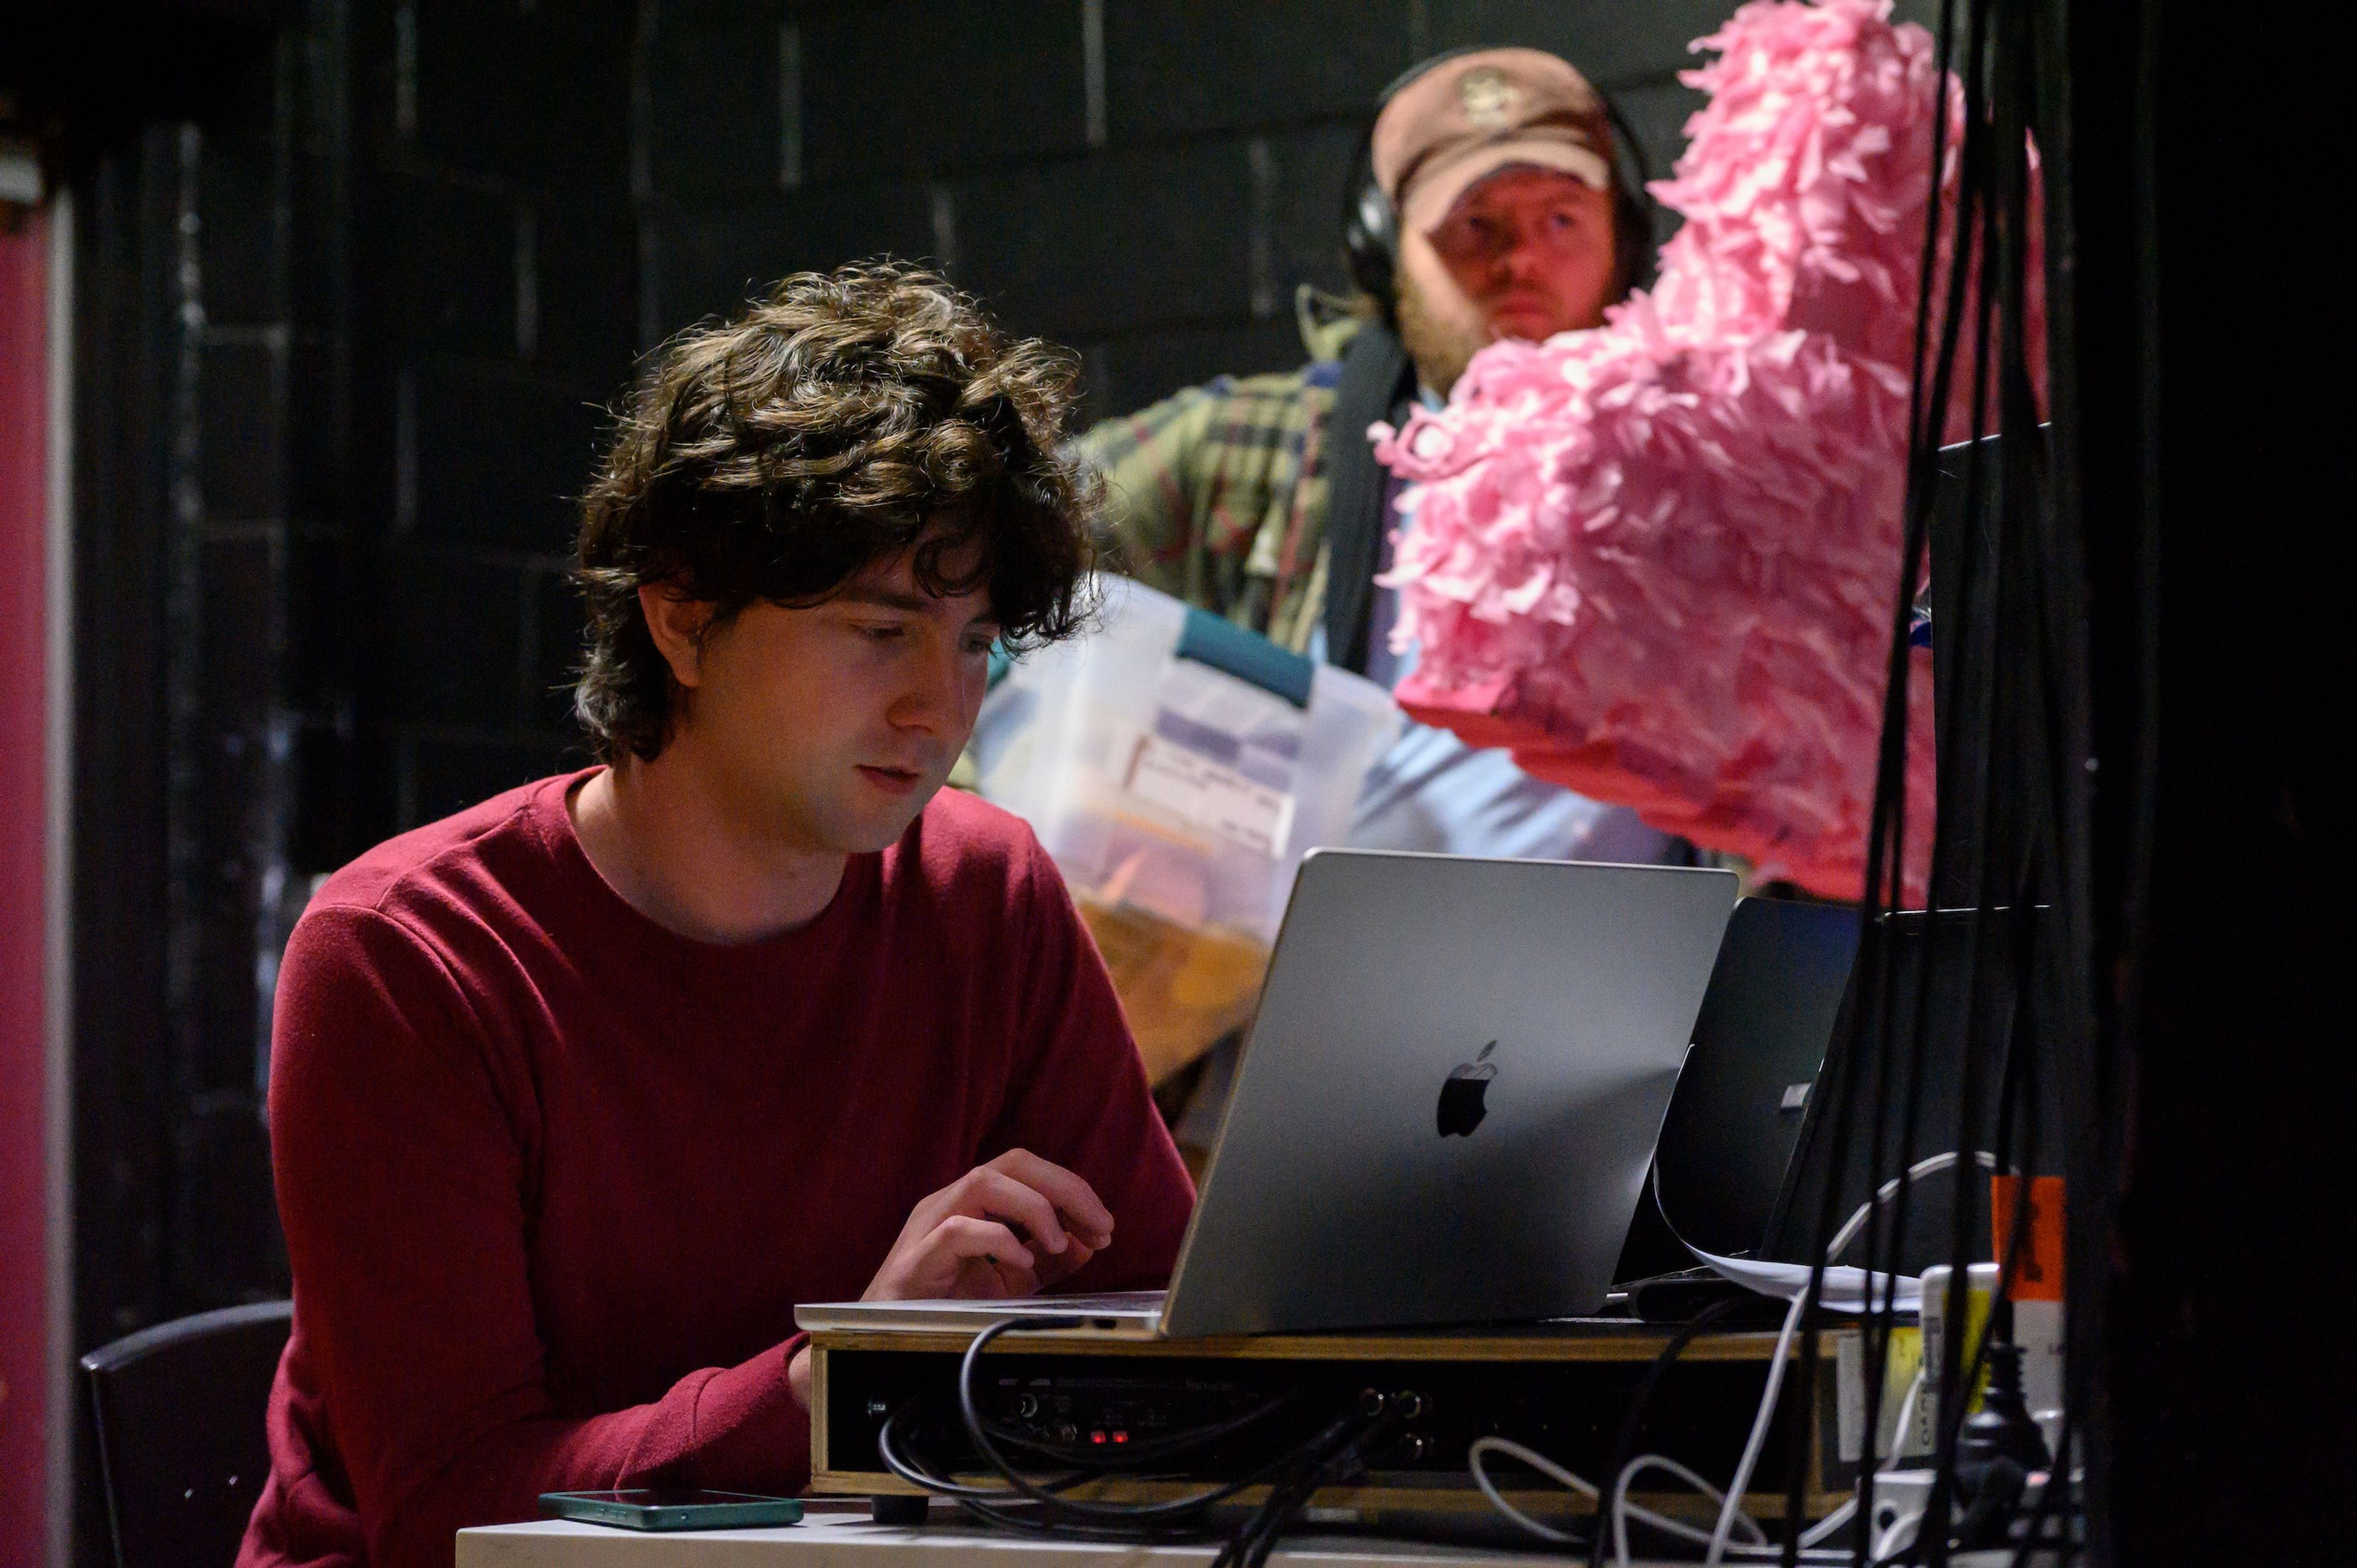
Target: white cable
1842	1515
1842	1238
1549	1468
1536	1461
1930	1166
1900	1533
1622	1508
1830	1523
1890	1189
1718	1540
1580	1484
1906	1419
1758	1548
1733	1506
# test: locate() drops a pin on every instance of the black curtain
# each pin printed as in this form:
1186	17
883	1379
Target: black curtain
2212	459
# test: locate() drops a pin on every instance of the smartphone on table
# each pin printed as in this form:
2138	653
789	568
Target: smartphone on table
650	1508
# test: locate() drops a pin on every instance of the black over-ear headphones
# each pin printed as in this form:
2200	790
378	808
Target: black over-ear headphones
1371	224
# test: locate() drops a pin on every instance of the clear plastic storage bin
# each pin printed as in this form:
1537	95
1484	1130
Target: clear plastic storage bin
1177	767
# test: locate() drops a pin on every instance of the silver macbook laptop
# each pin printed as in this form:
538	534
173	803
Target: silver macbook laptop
1445	1108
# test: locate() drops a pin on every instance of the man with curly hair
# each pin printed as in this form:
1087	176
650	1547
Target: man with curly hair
577	1094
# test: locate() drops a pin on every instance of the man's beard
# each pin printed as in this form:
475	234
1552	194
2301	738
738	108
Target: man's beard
1440	348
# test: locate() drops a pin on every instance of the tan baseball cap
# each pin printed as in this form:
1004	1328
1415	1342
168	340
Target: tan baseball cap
1473	114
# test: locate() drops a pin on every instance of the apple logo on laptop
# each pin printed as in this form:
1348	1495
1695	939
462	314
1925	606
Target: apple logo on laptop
1462	1109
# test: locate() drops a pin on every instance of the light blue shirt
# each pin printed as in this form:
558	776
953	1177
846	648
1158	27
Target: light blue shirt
1431	791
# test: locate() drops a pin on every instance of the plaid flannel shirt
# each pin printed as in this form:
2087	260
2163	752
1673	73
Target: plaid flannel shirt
1217	495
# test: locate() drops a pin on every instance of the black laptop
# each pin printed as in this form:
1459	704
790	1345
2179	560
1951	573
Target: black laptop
1956	971
1760	1040
1747	1147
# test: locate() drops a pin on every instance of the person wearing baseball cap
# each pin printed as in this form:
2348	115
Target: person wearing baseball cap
1489	203
1494	170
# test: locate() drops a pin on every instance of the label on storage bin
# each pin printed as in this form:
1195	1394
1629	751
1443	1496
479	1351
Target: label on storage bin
1208	795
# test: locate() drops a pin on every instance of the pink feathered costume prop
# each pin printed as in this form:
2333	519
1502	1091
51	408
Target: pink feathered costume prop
1659	559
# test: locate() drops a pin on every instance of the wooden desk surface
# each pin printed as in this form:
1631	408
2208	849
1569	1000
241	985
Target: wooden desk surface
1568	1340
839	1535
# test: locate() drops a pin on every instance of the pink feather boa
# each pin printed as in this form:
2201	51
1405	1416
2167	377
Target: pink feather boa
1659	559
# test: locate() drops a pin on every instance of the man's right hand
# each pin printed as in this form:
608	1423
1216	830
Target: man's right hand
964	1240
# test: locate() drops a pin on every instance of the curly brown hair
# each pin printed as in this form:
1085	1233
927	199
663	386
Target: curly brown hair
775	456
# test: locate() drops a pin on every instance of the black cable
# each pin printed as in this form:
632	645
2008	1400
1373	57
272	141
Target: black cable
1177	1519
1266	1520
2004	876
888	1448
979	1500
2012	717
2009	594
1143	1455
1624	1446
1319	1465
987	1446
2058	1479
1974	231
1118	1521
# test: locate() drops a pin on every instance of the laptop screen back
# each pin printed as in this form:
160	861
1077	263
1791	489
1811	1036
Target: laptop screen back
1759	1042
1955	970
1450	1097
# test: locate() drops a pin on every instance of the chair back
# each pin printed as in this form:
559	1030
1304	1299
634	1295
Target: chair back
181	1440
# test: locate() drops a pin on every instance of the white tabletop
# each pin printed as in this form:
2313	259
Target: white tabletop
838	1535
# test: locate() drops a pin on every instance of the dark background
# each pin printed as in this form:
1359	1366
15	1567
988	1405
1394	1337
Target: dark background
354	281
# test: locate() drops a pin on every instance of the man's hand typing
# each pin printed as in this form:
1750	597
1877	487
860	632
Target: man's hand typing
1006	1229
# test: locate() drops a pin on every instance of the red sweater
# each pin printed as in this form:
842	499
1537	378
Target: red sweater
554	1177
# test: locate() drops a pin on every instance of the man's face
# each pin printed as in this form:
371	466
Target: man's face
830	727
1526	254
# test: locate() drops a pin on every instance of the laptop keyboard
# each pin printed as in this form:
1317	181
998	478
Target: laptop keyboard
1101	1301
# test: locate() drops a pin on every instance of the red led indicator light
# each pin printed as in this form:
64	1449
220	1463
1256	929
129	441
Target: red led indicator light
1096	1437
1121	1437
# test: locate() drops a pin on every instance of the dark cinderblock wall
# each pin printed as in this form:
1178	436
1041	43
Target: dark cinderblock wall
347	343
344	343
544	191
